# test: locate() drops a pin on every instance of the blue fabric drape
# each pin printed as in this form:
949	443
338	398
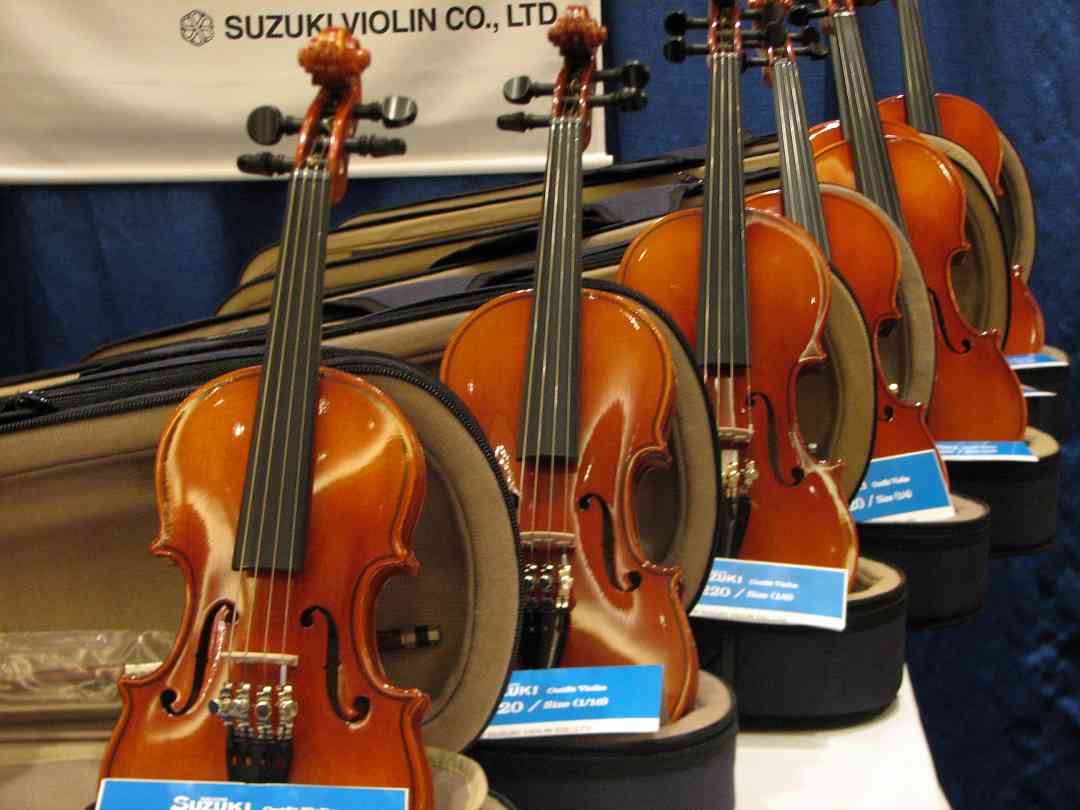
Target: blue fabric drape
999	697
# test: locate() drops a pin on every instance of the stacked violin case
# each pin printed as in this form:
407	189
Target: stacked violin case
402	285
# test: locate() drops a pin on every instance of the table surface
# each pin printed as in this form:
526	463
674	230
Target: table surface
883	764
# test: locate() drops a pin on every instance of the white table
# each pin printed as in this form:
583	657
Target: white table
883	764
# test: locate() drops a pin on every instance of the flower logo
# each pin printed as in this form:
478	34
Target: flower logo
197	27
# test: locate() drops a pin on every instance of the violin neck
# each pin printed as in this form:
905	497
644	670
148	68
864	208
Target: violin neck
723	318
274	512
859	117
922	109
549	424
802	193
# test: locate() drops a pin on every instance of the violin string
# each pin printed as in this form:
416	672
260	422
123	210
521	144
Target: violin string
726	322
577	306
540	283
310	307
554	300
273	476
289	420
707	267
255	451
558	299
930	91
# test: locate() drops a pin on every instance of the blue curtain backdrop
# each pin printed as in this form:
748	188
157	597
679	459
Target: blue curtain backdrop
999	697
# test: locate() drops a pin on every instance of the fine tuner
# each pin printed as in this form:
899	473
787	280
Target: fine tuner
266	125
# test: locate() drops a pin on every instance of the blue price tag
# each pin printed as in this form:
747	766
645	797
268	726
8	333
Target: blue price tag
908	487
1019	362
153	794
773	593
1031	392
579	700
986	451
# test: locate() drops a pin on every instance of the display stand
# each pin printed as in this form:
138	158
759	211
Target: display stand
883	764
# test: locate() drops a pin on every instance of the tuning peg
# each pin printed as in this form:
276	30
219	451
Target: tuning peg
522	122
375	146
266	125
754	62
677	49
816	50
393	111
808	36
677	23
770	13
522	90
800	16
633	74
630	99
266	164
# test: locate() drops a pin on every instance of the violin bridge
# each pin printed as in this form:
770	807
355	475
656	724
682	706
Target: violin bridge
556	541
262	658
734	435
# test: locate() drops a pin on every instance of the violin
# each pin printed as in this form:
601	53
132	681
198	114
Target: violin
964	122
854	236
287	495
574	389
751	293
976	395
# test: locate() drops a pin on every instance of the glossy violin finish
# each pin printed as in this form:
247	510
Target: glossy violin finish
853	236
287	496
925	197
964	122
574	390
751	293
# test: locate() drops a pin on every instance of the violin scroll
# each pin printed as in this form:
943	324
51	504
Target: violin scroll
577	36
335	61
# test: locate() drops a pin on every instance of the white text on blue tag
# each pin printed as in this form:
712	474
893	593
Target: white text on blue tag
773	593
579	700
1021	362
986	451
905	488
143	794
1031	392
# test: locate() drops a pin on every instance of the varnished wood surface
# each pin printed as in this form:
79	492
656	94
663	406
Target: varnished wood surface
976	395
1027	326
867	256
808	523
626	390
963	122
368	487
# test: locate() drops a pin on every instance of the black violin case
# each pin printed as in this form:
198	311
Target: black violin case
129	398
83	597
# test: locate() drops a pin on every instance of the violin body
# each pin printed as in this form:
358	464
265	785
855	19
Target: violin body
963	122
866	254
368	488
798	512
626	396
970	369
966	123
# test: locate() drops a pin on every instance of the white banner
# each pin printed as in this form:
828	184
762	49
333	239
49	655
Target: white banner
111	90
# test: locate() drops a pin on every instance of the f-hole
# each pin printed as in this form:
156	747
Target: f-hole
633	578
361	705
797	473
169	696
965	344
